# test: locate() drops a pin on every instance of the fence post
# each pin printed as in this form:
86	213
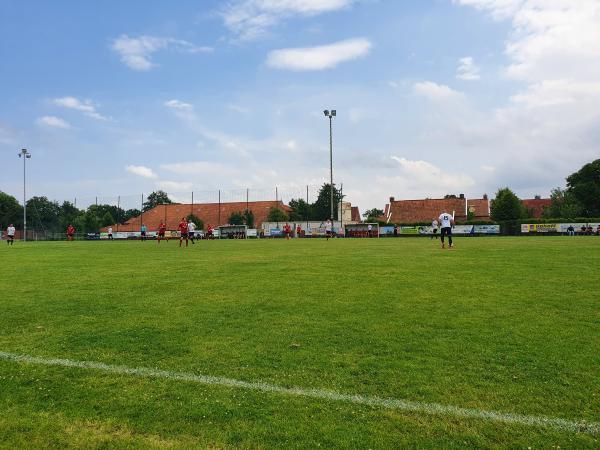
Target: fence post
307	208
142	212
219	224
118	212
247	194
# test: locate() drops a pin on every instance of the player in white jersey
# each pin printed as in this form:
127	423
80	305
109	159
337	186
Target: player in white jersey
10	235
191	230
434	228
446	224
328	229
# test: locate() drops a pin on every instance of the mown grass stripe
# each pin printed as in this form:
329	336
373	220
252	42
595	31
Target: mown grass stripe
388	403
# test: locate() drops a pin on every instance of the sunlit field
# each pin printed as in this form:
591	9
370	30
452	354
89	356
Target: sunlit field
380	343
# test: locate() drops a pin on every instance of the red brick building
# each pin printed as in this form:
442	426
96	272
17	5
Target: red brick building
423	211
214	214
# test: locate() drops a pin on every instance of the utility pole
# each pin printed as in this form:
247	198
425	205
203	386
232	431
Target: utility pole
25	155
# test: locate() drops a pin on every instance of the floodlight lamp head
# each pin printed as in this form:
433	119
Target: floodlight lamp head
326	112
28	155
333	112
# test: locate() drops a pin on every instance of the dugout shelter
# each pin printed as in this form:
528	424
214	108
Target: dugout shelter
233	231
361	230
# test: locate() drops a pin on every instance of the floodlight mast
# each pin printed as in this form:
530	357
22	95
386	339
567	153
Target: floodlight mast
25	155
330	114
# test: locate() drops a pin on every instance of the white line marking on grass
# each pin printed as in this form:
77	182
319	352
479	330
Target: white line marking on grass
388	403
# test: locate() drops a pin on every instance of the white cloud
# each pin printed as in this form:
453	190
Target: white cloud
177	104
467	69
136	52
198	168
419	172
434	91
320	57
141	171
53	121
175	186
250	19
87	107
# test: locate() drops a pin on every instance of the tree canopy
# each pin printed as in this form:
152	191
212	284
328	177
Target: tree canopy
10	211
156	198
584	186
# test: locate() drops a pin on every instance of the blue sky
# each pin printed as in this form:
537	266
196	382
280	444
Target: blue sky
433	97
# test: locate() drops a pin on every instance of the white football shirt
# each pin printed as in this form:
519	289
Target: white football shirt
445	220
109	230
10	231
191	227
434	224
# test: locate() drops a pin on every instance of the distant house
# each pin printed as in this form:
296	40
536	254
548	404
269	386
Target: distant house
425	210
214	214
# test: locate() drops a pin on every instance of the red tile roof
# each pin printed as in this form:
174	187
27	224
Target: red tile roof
355	214
208	212
424	211
536	206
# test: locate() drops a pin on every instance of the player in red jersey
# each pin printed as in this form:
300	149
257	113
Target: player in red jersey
209	231
70	232
287	230
298	231
162	229
183	230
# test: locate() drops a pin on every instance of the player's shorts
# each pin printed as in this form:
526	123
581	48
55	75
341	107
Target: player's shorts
184	235
110	235
446	231
69	234
143	233
191	234
10	237
161	234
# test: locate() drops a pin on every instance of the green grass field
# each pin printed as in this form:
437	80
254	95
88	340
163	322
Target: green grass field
510	325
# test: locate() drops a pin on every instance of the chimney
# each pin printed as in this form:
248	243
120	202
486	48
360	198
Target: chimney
461	196
391	199
538	197
485	197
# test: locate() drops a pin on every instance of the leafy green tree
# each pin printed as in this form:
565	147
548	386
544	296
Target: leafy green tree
43	214
450	196
584	185
10	211
130	214
197	220
373	215
156	198
301	210
236	218
321	207
68	215
506	206
249	218
277	215
564	205
107	220
507	209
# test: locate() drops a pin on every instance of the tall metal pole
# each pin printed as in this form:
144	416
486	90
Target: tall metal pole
219	224
25	155
118	212
331	164
24	200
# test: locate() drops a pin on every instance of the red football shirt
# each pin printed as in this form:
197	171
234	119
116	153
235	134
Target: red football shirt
162	228
70	230
183	227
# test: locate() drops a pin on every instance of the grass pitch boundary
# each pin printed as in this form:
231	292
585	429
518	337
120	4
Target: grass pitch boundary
592	428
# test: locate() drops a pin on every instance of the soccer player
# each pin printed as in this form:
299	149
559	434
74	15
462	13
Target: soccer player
298	231
447	223
191	228
162	229
10	235
369	230
328	228
183	231
143	232
434	228
209	231
70	232
287	231
110	234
